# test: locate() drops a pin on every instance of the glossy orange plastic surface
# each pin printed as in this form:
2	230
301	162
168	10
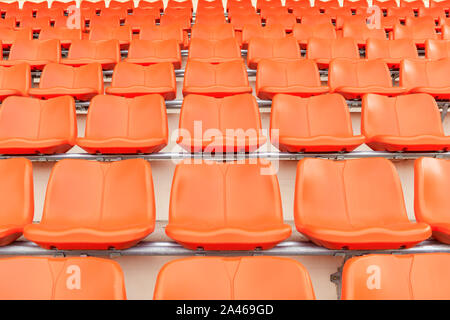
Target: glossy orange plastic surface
391	51
437	49
65	35
147	52
15	80
105	32
322	51
83	52
36	53
284	49
169	32
304	32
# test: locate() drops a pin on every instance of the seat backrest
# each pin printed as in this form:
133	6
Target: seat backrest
239	20
257	31
210	19
34	23
237	278
17	77
391	49
58	75
287	20
121	4
61	33
312	20
361	32
299	12
212	32
420	20
400	12
140	20
214	49
385	3
445	29
104	32
397	277
303	32
437	49
323	4
338	11
49	50
203	74
348	194
332	48
156	75
402	116
423	73
162	33
412	3
358	19
284	48
91	49
415	31
75	278
11	35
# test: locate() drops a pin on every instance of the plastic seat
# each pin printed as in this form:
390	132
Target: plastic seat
125	125
8	23
36	24
353	19
214	51
212	32
322	5
122	33
338	12
355	4
35	6
30	126
120	13
138	22
210	19
64	35
245	10
437	49
204	278
316	124
299	12
203	12
322	51
104	21
313	20
419	32
269	11
18	14
96	5
96	205
354	204
254	31
50	12
300	78
82	83
283	49
391	51
129	5
397	277
430	200
147	11
15	80
147	52
436	13
303	33
201	4
180	4
420	20
16	188
83	52
422	76
5	6
445	29
165	33
361	33
267	3
287	20
183	21
440	3
414	4
239	4
293	4
178	12
355	78
217	80
404	123
36	53
62	4
238	21
385	4
401	13
132	80
159	4
226	206
230	124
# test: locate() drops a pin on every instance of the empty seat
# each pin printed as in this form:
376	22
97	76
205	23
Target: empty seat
36	24
355	78
436	13
226	206
208	4
355	4
315	124
182	21
414	4
385	4
8	23
303	32
82	83
159	4
254	31
300	77
121	33
35	6
267	3
210	19
83	52
401	13
324	4
62	4
96	205
397	277
36	53
238	21
335	12
299	12
8	36
15	80
286	20
29	126
217	80
437	49
17	200
269	11
165	33
180	4
214	51
404	123
128	5
64	35
239	4
138	22
354	19
322	51
425	76
283	49
131	80
125	125
293	4
212	32
354	204
361	33
431	178
97	5
147	52
19	14
241	10
204	278
419	32
147	11
440	3
230	124
313	19
391	51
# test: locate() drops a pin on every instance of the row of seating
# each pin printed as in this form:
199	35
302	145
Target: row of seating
351	204
371	277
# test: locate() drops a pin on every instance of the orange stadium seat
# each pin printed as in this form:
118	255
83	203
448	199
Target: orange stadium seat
165	33
236	206
425	76
147	52
94	4
430	197
104	32
83	52
283	49
138	22
212	32
131	80
214	51
405	123
51	13
158	4
5	6
8	23
353	19
15	80
33	126
41	278
35	6
269	11
300	77
246	10
361	33
324	4
110	21
445	29
128	5
257	31
437	49
125	125
293	4
397	277
18	14
287	20
210	19
180	4
303	32
419	32
391	51
440	3
96	205
313	19
316	124
401	13
239	4
230	124
335	12
62	4
36	53
204	12
183	21
355	4
323	51
354	204
146	12
217	80
355	78
238	21
414	4
16	188
300	12
436	13
82	83
64	35
178	11
267	3
235	278
36	24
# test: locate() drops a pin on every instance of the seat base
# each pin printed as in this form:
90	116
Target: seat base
125	146
318	144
